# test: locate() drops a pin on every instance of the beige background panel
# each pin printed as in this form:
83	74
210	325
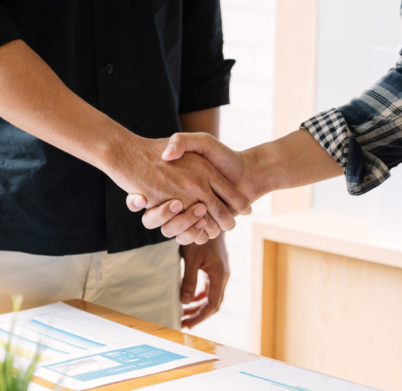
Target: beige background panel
295	82
339	316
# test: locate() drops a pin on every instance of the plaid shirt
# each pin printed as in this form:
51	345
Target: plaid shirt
365	136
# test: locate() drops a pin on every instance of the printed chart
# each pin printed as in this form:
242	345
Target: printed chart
112	362
82	351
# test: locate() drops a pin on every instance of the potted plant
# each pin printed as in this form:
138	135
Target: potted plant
11	378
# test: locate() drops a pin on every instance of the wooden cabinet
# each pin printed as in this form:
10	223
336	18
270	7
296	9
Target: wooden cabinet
328	297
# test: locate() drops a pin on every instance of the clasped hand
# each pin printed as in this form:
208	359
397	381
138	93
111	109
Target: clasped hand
233	183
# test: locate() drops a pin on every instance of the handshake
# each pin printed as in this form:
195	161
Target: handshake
210	185
193	186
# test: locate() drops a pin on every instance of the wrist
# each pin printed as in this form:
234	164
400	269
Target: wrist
112	146
266	168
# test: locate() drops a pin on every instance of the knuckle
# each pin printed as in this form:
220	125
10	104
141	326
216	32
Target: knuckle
182	241
166	231
205	137
176	138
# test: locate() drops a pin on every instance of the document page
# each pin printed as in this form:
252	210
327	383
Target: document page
260	375
36	387
81	351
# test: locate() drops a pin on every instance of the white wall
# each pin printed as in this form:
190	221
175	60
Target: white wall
249	33
348	32
348	29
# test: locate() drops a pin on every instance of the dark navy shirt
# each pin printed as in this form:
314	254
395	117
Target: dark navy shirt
142	62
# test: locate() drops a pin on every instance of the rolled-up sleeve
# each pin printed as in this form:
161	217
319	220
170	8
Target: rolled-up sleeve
205	73
365	136
8	32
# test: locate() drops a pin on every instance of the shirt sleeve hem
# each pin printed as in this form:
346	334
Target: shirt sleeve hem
205	86
363	171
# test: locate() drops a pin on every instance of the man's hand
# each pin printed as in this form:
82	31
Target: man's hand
212	258
236	167
138	168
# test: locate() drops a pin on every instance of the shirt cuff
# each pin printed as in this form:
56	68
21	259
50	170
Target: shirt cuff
363	170
204	86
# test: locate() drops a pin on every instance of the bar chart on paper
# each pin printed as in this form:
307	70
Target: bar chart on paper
259	375
49	332
83	351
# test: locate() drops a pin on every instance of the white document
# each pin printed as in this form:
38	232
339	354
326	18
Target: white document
36	387
81	351
260	375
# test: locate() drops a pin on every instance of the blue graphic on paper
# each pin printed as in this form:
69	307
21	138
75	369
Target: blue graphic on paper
114	362
28	344
59	335
275	383
47	339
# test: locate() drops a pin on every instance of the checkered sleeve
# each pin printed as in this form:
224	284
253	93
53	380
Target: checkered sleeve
365	136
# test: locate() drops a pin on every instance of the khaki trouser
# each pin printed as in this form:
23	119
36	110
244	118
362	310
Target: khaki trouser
144	282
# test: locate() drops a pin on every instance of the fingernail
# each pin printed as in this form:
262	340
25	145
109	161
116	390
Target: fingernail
249	211
175	206
200	210
139	202
186	298
201	224
168	151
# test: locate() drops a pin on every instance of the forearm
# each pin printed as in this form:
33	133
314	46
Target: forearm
35	100
205	121
291	161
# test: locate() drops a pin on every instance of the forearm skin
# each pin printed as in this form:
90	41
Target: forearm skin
291	161
34	99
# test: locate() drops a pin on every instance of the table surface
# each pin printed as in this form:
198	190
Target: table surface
228	356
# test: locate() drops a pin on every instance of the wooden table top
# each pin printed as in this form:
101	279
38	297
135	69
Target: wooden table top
228	356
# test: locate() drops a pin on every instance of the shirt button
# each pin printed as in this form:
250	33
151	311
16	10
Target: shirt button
368	179
109	69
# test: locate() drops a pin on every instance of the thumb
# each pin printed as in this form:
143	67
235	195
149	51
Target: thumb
136	202
189	283
180	143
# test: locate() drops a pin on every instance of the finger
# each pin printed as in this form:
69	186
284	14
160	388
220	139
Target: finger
191	235
192	310
219	211
205	312
160	215
204	144
211	229
201	296
180	143
217	283
230	195
181	223
136	202
189	282
202	239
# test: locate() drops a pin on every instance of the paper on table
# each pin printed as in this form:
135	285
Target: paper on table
81	351
260	375
36	387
